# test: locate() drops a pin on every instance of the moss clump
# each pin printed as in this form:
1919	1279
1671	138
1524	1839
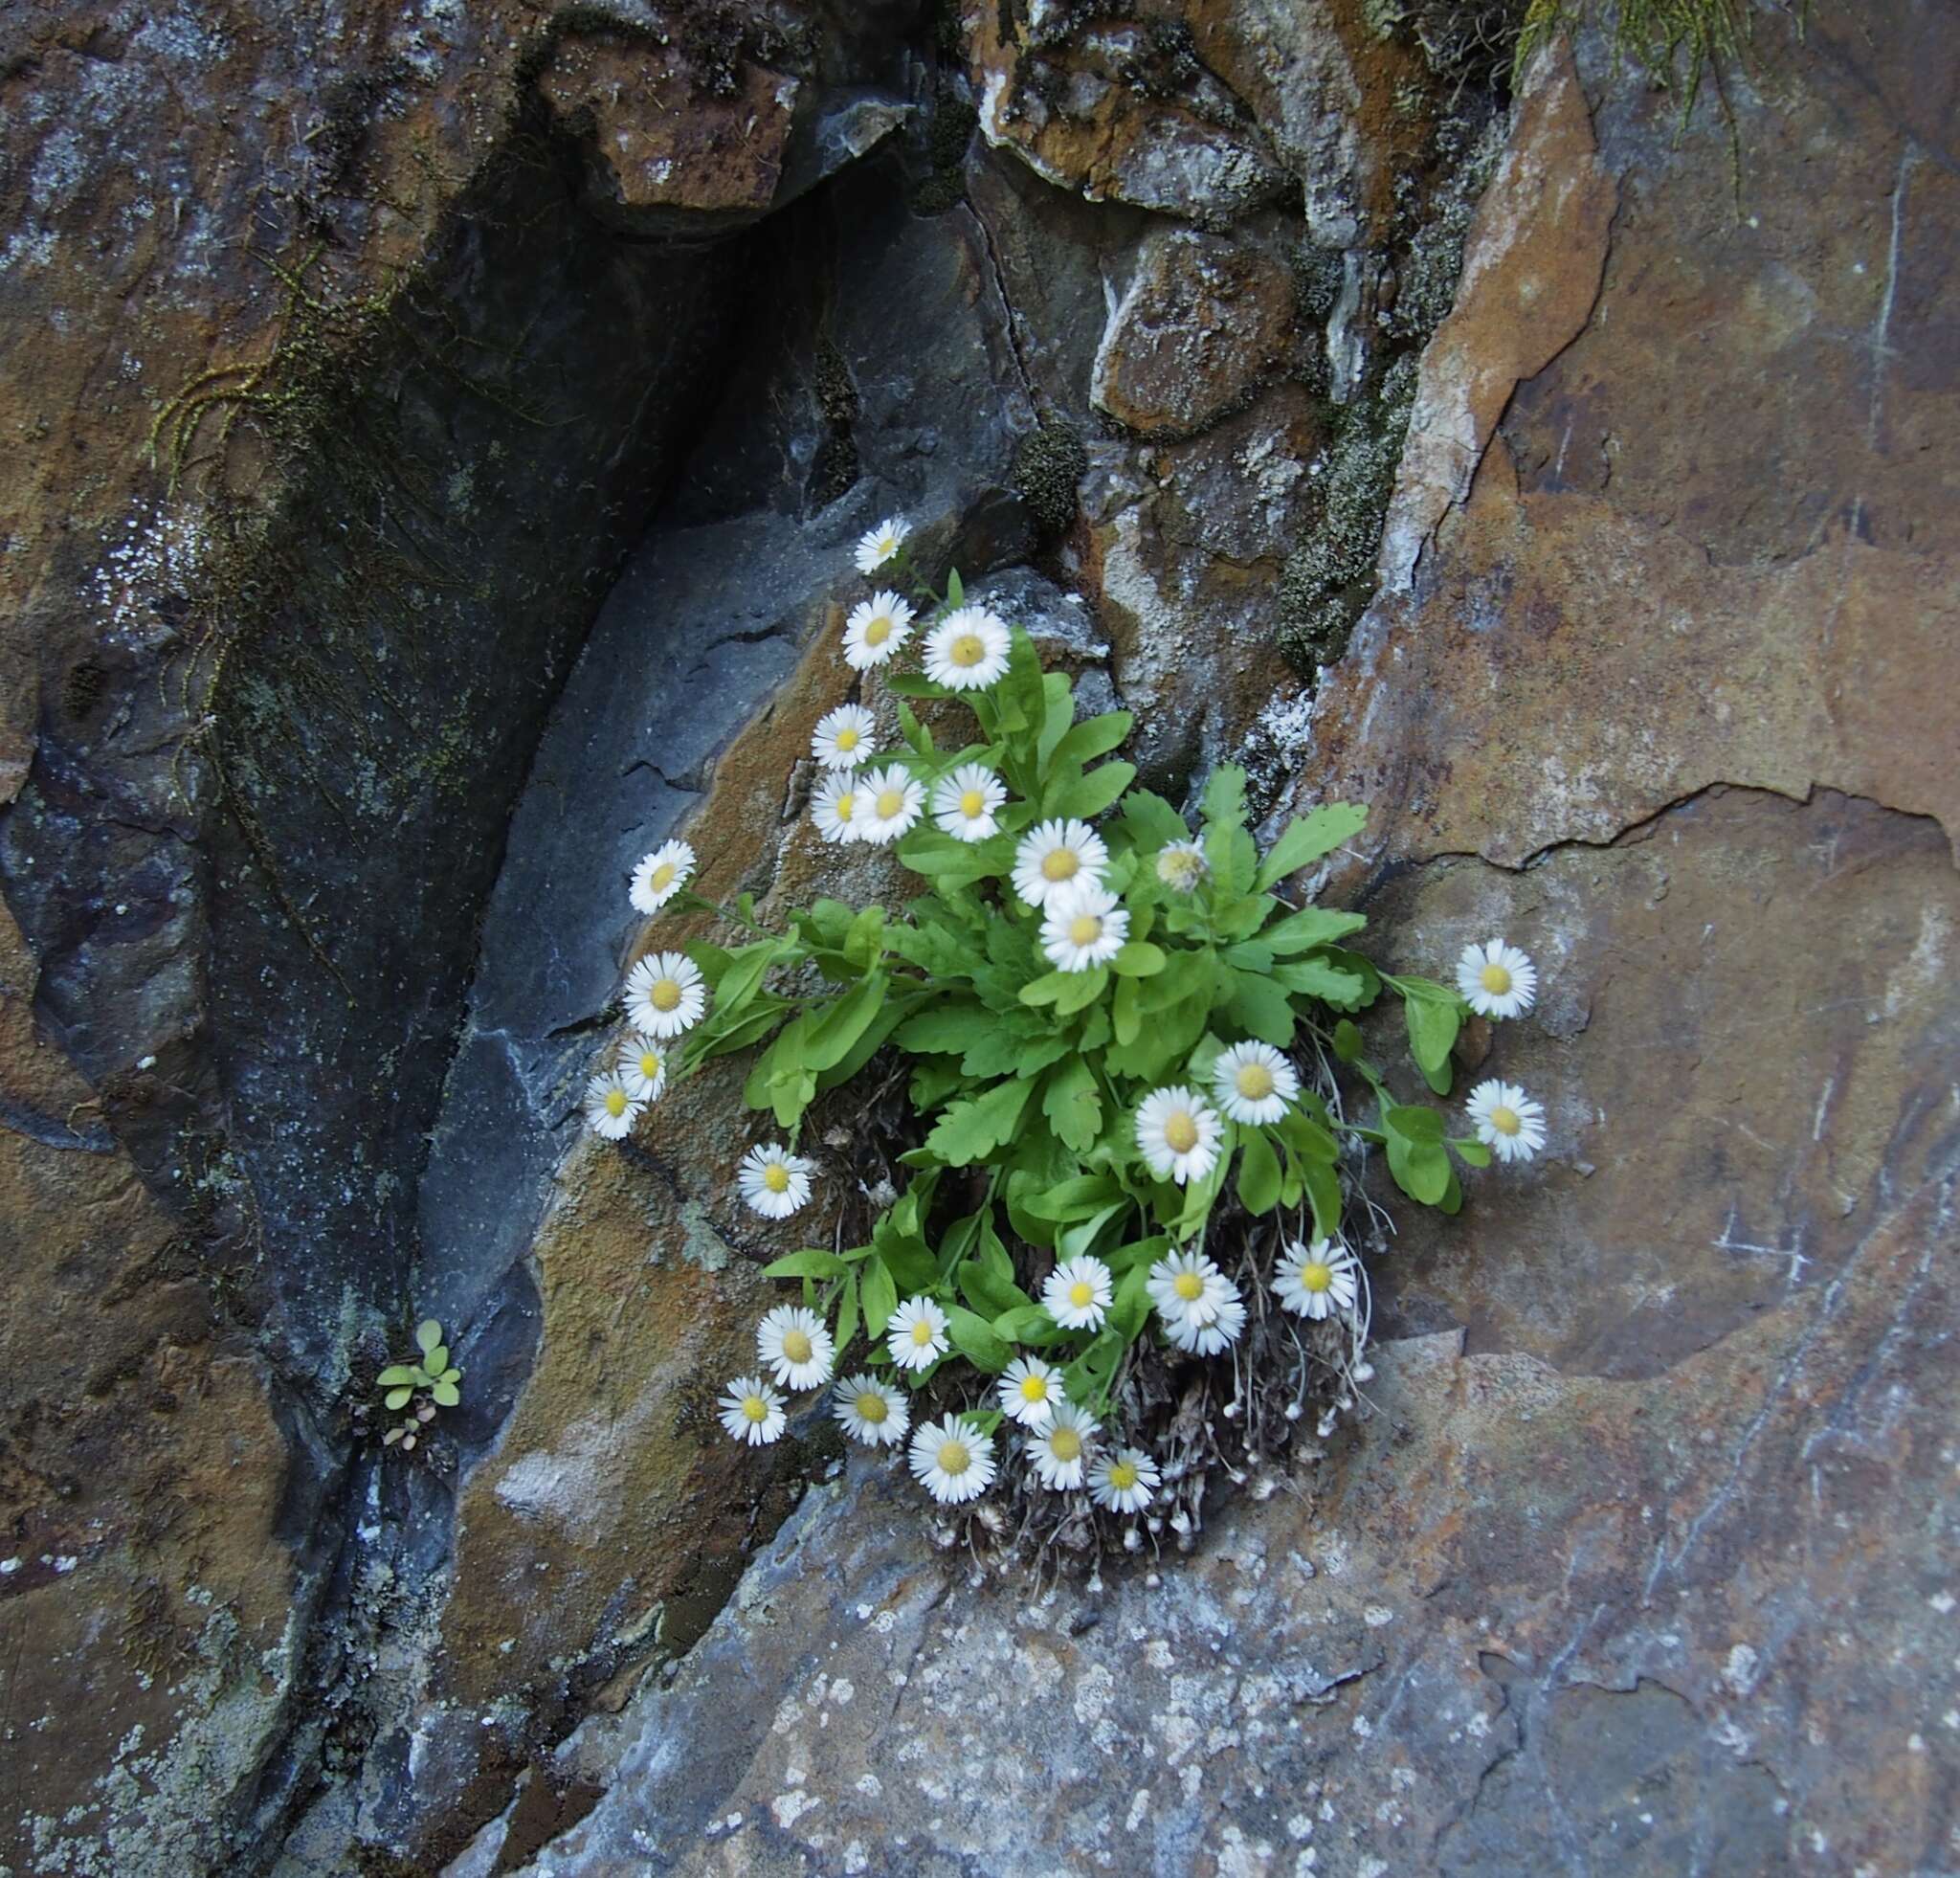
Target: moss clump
949	131
1049	462
1655	34
1323	587
1316	275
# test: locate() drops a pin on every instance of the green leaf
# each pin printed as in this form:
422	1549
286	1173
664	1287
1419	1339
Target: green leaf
1087	797
427	1333
1073	1103
394	1376
1081	990
950	1028
915	734
1310	838
1416	1121
969	1132
1077	1197
1348	1044
1472	1153
1046	989
398	1398
1058	714
1130	1307
436	1361
1311	926
1138	960
1028	1323
880	1297
1259	1172
445	1394
1308	1138
1260	1006
742	979
449	1376
1094	737
1324	1196
814	1262
1151	822
847	1311
955	589
1314	977
1223	804
1421	1169
1433	1027
974	1338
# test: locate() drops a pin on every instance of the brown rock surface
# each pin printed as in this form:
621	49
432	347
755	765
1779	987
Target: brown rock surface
1200	323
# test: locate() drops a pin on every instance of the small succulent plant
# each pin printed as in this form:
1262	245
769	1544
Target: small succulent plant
420	1388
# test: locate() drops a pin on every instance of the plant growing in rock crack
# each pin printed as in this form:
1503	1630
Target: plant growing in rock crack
1097	1070
416	1390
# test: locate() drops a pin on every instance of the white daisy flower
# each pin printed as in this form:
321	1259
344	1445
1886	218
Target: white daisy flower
793	1343
967	650
843	737
872	1412
841	807
660	876
1084	926
1254	1082
953	1460
774	1182
1052	854
1316	1281
1125	1481
1029	1390
1078	1293
893	802
916	1336
643	1067
1192	1295
611	1106
1183	866
1207	1339
876	629
664	994
966	802
1507	1121
752	1412
878	546
1177	1133
1061	1451
1497	980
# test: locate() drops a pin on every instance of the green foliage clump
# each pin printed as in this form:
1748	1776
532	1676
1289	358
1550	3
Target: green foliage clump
1049	462
416	1389
1026	1076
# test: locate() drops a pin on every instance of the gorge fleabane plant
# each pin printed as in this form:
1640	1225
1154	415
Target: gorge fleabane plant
1127	1055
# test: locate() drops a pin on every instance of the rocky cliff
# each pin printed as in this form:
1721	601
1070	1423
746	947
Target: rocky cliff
439	435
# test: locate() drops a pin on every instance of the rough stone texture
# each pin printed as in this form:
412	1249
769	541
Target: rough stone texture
1199	324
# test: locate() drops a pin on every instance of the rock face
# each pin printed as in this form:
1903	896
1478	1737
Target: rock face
430	502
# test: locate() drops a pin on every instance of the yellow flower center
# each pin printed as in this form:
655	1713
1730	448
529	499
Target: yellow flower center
1084	930
776	1178
1060	866
1316	1278
1180	1131
755	1408
1504	1120
1254	1080
889	802
887	546
921	1333
615	1102
666	995
1033	1389
797	1346
847	741
650	1065
967	650
954	1458
1066	1445
878	629
1495	979
1082	1294
663	877
872	1407
847	804
971	803
1188	1286
1123	1476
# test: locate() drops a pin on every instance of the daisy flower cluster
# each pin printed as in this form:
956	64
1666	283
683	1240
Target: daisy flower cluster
1128	1040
